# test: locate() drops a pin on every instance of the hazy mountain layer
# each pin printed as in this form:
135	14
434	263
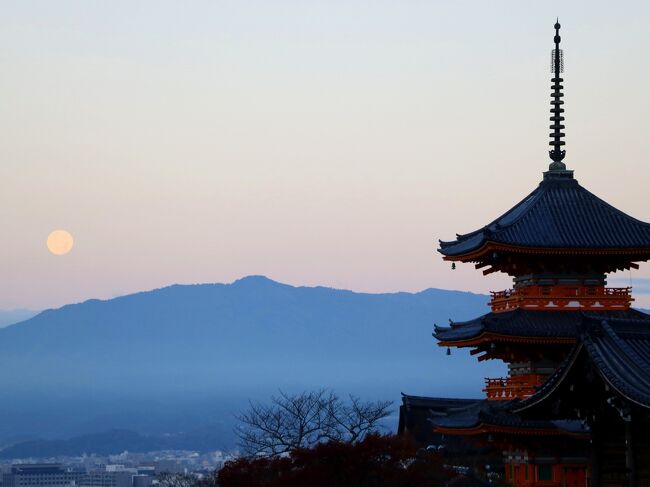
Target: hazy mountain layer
115	441
183	357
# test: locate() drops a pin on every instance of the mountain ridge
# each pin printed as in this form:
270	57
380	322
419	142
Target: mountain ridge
113	442
246	279
180	357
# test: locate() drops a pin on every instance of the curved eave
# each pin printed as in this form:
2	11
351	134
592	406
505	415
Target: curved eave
551	384
488	337
619	366
555	381
478	254
486	428
622	392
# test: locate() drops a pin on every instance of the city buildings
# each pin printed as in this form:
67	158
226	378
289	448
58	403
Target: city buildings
133	469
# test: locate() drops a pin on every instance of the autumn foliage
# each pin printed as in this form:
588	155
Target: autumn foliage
377	460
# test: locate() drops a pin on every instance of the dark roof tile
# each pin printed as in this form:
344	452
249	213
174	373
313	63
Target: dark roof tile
535	323
558	214
619	348
497	413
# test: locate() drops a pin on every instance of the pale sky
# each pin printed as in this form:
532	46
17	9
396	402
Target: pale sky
316	142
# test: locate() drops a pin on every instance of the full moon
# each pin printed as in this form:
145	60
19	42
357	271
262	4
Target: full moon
59	242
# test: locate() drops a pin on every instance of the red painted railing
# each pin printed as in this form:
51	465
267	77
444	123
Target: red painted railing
513	387
562	297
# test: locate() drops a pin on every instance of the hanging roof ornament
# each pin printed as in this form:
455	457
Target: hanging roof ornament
557	167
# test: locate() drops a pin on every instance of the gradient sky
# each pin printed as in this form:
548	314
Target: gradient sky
316	142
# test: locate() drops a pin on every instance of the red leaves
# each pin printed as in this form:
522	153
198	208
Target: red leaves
377	460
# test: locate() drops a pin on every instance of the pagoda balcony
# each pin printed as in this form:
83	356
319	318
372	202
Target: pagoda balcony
562	297
512	387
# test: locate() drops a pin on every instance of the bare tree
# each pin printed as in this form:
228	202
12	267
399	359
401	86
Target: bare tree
351	422
306	419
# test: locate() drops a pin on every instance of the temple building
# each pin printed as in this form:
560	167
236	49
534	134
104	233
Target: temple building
574	409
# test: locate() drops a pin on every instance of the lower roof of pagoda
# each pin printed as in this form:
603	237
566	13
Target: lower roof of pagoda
617	348
535	326
438	404
415	411
485	416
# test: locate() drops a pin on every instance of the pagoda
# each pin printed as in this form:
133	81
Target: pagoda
574	409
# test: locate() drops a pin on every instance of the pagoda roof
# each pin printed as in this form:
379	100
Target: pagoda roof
440	404
486	416
415	411
619	350
538	324
558	215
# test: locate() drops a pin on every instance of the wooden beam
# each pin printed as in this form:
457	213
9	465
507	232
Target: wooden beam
630	464
595	456
487	356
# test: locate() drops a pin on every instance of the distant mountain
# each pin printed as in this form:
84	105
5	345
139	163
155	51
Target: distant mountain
11	316
185	357
113	442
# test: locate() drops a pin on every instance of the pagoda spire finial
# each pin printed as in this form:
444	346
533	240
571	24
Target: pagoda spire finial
557	67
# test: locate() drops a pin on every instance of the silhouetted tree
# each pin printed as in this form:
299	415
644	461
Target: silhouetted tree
303	420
